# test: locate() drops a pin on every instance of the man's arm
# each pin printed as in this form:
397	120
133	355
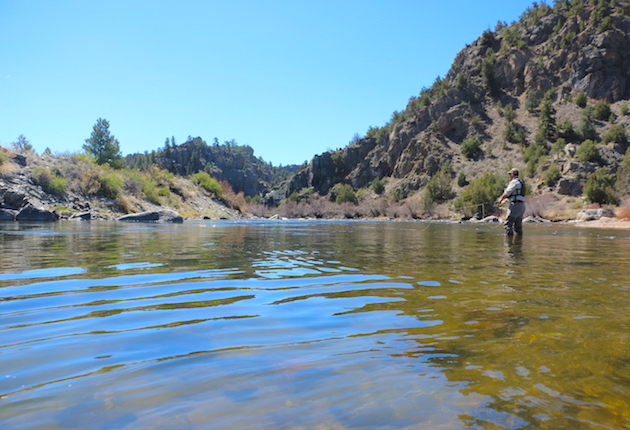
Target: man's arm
503	197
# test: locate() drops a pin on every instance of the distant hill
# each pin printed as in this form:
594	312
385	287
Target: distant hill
230	162
527	95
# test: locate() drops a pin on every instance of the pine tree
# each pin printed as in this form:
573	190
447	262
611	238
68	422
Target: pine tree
547	118
103	146
586	127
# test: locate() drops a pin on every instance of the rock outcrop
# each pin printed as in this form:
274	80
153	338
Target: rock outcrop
21	200
160	216
33	213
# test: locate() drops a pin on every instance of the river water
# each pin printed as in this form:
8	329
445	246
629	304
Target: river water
313	325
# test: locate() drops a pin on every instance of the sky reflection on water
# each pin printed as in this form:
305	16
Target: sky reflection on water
300	324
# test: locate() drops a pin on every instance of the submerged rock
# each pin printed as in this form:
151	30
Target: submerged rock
488	219
163	215
535	219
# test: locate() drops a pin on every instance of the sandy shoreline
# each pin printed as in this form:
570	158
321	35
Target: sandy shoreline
606	223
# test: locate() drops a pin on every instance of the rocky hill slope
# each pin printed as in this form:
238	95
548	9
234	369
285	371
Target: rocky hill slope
49	187
525	95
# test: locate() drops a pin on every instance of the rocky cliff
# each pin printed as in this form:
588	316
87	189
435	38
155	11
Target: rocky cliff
573	49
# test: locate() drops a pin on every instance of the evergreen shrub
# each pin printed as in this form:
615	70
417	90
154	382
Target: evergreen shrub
551	175
602	111
481	192
344	193
470	147
617	134
439	188
580	99
461	180
600	188
586	127
587	152
377	185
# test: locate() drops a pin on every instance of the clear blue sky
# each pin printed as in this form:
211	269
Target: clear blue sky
290	78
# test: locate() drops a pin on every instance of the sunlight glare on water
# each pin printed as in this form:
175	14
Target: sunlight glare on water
313	324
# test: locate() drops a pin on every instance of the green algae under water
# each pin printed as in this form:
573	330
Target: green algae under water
313	325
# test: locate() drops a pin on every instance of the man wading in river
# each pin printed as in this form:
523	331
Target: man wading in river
514	191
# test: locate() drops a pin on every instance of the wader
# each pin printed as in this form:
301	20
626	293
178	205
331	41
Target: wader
514	221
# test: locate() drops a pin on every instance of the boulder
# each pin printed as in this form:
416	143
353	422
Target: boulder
32	213
273	198
593	214
15	199
81	216
570	149
7	214
163	215
570	187
572	167
19	159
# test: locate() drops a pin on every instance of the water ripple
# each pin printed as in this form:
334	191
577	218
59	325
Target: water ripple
337	325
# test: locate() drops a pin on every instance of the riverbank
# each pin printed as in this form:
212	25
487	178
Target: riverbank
606	223
51	187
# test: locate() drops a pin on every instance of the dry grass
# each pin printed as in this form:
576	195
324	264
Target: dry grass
7	169
64	211
322	208
232	199
552	207
623	212
374	207
405	210
441	211
538	205
181	188
257	210
124	205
